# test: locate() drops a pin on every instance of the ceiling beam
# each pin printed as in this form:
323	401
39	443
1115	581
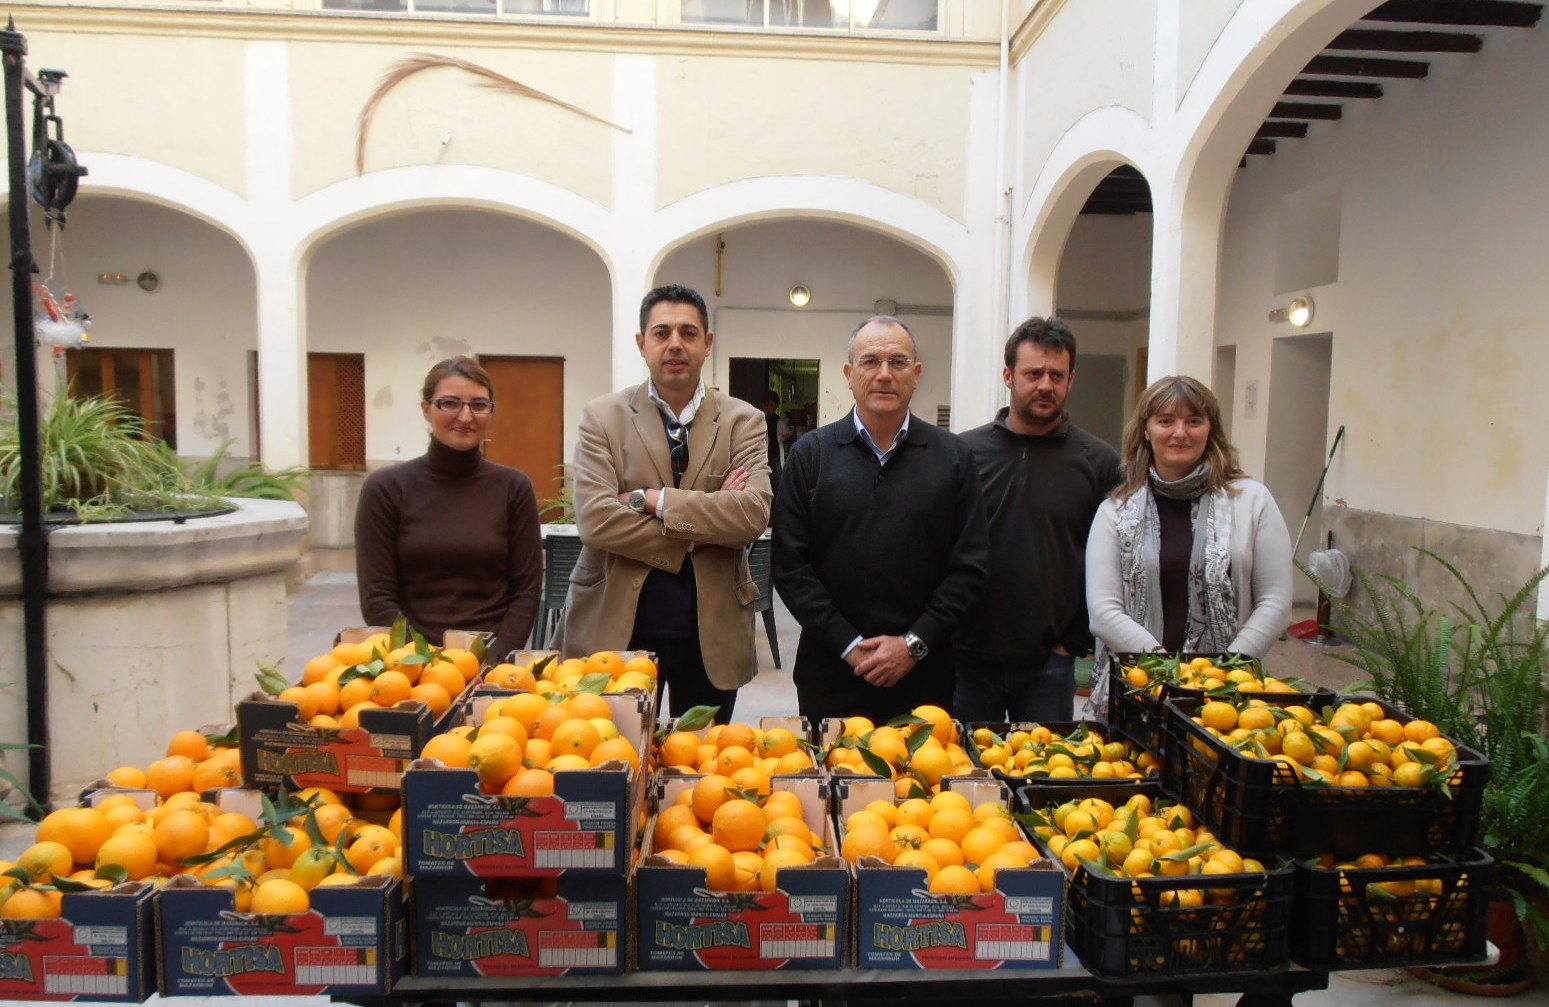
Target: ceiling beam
1311	88
1478	13
1366	66
1406	41
1305	110
1261	146
1105	207
1283	130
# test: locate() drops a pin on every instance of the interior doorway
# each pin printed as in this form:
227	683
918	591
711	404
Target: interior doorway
1297	437
795	381
527	430
1097	401
1224	384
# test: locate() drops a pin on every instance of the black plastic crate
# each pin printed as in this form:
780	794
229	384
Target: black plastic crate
1120	928
1260	804
1140	712
1060	730
1426	914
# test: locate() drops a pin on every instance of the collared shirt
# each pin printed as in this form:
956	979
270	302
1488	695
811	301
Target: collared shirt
882	456
689	412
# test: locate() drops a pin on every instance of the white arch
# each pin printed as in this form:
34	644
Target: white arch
1095	144
846	200
140	178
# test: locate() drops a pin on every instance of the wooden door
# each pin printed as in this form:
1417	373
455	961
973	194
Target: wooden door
336	411
528	429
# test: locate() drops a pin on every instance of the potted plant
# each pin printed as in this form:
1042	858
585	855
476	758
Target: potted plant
1477	672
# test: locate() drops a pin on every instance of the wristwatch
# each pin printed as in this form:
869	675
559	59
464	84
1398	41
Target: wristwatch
637	501
917	648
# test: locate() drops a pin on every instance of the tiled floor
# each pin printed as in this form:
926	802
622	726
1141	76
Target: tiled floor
327	603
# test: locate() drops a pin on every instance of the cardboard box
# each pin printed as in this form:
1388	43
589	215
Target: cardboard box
900	923
354	940
589	825
279	750
100	948
804	924
570	925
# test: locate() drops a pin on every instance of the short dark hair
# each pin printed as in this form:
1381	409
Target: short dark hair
674	293
855	333
770	395
463	366
1050	333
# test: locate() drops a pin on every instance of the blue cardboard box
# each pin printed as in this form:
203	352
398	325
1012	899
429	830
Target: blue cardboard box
100	948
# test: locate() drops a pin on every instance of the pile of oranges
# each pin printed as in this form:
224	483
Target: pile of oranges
755	753
551	675
742	839
1355	744
270	868
1140	839
336	686
917	766
520	741
1241	674
193	763
1037	751
960	846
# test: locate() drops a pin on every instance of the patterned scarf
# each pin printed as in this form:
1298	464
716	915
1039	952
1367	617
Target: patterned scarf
1212	619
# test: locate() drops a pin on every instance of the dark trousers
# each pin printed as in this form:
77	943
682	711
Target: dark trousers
993	691
680	669
826	687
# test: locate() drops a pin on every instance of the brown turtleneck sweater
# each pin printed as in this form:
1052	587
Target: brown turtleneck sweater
451	540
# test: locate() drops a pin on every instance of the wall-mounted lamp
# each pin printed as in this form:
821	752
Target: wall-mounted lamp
1298	312
800	296
112	279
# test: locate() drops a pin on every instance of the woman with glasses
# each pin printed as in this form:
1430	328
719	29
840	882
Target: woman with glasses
1188	554
450	539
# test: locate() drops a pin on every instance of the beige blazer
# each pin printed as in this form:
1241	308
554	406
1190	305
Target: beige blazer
623	447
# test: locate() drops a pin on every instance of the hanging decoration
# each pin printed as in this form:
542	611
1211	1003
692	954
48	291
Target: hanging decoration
59	322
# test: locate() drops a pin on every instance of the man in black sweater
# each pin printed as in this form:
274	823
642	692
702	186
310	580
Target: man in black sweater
1043	479
880	543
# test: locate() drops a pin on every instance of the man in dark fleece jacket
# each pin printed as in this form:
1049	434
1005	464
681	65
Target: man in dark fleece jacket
880	544
1043	479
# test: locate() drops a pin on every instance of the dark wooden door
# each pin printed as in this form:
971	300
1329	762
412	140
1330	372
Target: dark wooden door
528	429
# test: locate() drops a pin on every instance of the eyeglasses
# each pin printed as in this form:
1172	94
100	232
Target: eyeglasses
896	364
677	441
454	405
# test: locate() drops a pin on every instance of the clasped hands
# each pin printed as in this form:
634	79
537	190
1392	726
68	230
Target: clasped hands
882	661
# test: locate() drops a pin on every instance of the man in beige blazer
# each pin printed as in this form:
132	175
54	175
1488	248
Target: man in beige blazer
671	484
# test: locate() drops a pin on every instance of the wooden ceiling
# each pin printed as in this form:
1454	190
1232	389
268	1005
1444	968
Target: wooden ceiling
1397	40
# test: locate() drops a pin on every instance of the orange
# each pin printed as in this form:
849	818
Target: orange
943	851
551	718
574	737
940	723
778	741
326	696
133	851
740	735
720	868
29	904
46	859
680	748
390	688
621	749
170	775
132	777
569	760
868	842
914	811
732	758
280	897
748	866
227	826
306	701
367	849
672	817
589	705
192	744
753	780
980	842
333	819
444	674
496	758
955	879
463	661
866	819
994	862
316	668
908	837
604	662
81	830
526	707
710	792
450	749
738	825
640	665
356	691
535	782
918	859
215	774
278	853
952	823
1420	730
505	725
180	834
782	804
774	862
511	676
930	764
537	754
351	716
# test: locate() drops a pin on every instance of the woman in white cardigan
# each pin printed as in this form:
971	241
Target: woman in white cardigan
1188	554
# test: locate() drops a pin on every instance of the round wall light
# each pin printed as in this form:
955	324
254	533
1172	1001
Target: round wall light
800	296
1300	312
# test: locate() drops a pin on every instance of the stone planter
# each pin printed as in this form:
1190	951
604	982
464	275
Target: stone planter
152	627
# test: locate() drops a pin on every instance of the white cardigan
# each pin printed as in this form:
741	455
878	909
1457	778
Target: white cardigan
1261	576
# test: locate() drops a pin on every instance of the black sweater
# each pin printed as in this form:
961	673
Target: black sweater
862	549
1040	493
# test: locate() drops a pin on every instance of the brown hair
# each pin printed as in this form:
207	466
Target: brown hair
462	366
1164	393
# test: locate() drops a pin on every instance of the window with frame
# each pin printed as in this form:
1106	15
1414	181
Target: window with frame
564	8
141	378
336	403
